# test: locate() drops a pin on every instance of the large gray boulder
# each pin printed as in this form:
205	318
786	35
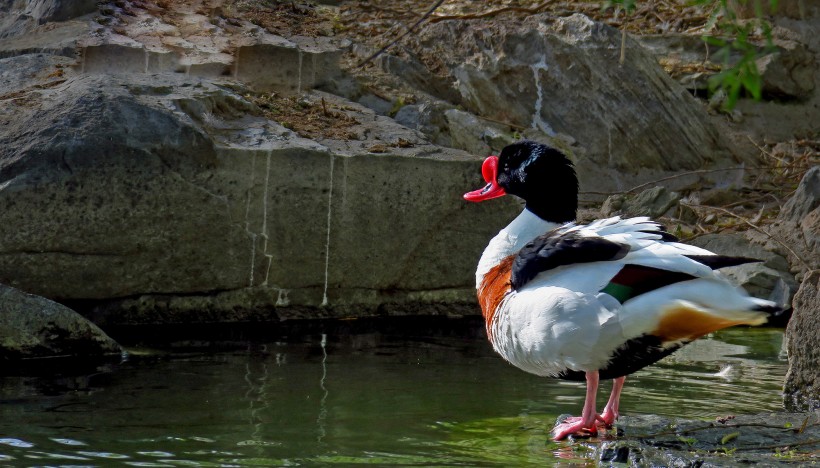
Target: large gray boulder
624	120
799	227
801	392
171	192
35	327
796	231
18	17
138	176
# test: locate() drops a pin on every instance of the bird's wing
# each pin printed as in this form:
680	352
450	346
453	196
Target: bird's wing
557	248
636	240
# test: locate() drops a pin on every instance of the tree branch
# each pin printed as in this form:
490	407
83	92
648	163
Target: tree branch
396	40
753	226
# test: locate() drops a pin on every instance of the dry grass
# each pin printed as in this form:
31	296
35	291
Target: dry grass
754	206
282	18
378	21
310	118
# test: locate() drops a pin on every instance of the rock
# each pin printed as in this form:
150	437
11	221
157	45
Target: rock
23	17
302	65
428	117
466	132
737	245
764	282
57	39
805	200
409	116
35	327
798	227
769	279
562	76
612	205
189	193
796	232
788	73
650	440
473	135
801	391
652	202
377	104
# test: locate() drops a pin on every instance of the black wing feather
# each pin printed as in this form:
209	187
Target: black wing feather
630	357
721	261
665	236
556	249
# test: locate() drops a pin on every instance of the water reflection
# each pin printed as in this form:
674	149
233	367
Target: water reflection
346	399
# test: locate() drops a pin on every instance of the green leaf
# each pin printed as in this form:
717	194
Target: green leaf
750	80
729	437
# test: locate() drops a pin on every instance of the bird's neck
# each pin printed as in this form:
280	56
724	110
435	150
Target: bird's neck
561	209
527	226
524	228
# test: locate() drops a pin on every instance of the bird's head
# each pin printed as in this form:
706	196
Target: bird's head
543	176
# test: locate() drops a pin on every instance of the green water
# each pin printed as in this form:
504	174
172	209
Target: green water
352	399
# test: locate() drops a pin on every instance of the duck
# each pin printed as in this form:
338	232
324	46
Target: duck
598	301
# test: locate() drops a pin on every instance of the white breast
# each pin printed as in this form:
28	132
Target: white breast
545	330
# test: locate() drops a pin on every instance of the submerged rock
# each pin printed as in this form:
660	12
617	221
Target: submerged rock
777	439
35	327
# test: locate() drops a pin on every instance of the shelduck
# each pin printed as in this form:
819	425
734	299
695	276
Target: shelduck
596	301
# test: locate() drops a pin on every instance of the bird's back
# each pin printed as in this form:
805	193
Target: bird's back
616	315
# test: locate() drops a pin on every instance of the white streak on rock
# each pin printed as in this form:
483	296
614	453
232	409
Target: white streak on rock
327	240
538	121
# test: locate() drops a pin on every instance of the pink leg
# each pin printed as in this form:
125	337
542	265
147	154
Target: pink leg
588	414
611	409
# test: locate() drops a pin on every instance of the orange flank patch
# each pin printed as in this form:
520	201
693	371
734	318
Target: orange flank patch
494	287
685	323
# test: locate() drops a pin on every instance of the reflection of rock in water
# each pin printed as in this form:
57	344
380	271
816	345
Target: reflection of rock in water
320	420
707	350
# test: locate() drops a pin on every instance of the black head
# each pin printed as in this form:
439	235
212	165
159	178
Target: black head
543	176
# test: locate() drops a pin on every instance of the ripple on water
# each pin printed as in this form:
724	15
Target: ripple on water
55	456
155	453
108	455
71	442
16	443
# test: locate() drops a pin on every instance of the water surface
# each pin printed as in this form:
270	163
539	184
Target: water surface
326	398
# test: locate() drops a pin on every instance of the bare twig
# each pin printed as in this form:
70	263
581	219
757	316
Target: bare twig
753	226
501	122
396	40
705	232
531	11
662	179
763	151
